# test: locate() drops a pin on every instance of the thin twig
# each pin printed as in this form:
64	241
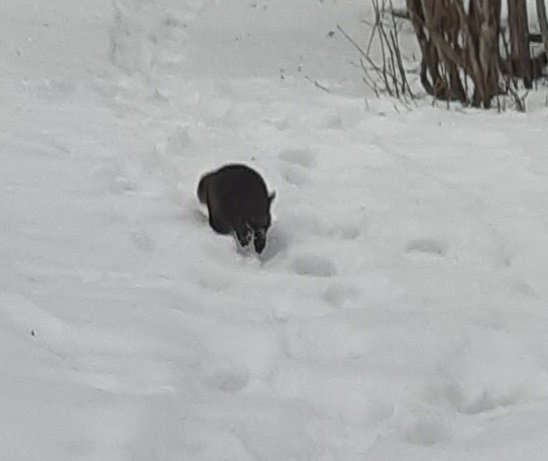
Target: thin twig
317	84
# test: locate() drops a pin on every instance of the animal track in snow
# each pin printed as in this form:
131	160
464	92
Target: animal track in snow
347	231
294	176
426	246
302	158
318	266
295	166
277	241
341	295
306	222
426	432
142	240
227	378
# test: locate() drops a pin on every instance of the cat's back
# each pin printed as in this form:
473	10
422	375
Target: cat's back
233	183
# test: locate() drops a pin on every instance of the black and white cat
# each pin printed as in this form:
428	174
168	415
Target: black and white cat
237	201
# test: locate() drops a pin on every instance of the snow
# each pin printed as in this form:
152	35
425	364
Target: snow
399	310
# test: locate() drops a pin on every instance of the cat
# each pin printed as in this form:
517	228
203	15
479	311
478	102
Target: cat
237	201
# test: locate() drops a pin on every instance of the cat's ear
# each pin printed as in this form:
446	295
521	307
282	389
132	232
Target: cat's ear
271	198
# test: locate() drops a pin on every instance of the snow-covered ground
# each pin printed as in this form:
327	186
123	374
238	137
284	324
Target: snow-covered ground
399	311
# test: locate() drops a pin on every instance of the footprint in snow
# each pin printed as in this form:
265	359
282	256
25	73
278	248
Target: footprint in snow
426	246
318	266
302	158
277	242
296	165
294	176
425	431
226	377
347	231
341	295
142	240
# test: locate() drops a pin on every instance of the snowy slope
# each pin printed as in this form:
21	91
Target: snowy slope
399	310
